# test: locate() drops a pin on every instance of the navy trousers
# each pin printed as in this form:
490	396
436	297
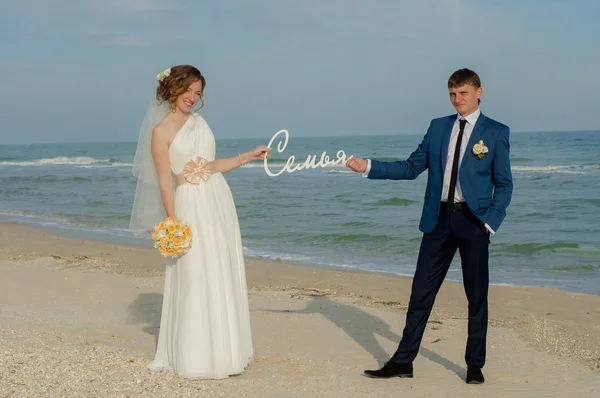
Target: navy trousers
458	230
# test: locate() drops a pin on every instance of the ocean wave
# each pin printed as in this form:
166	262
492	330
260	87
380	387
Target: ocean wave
518	159
394	202
391	269
360	224
589	201
564	169
75	222
386	159
262	254
577	267
49	179
103	166
64	160
277	166
255	165
342	238
534	248
41	217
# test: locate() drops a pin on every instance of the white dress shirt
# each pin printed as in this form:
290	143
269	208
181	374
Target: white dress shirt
471	120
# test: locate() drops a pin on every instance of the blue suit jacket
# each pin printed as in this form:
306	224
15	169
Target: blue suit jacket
486	183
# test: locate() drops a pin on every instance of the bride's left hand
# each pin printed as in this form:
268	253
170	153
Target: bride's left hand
259	153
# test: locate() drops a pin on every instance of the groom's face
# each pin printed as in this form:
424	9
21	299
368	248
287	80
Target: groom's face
465	98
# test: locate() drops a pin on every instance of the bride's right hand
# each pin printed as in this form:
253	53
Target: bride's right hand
259	153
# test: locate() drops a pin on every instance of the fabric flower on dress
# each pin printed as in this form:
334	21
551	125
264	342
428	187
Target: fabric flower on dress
196	169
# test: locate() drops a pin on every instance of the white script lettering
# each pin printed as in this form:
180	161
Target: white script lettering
309	163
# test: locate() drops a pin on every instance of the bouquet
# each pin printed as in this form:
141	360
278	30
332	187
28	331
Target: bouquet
172	238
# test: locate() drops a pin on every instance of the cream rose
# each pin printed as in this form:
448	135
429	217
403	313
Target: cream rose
480	149
163	75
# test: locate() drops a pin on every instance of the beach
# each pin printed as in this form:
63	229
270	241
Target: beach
327	156
80	318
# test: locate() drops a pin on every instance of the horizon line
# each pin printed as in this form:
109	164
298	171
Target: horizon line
323	136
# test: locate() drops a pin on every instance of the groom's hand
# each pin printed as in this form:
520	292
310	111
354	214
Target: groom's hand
357	164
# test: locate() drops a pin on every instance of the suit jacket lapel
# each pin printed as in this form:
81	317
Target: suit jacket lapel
446	140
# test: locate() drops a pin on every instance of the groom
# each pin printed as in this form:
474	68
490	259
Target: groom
469	187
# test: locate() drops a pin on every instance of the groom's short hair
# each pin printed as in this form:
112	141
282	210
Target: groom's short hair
462	77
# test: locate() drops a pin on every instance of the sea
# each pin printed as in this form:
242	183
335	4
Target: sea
331	217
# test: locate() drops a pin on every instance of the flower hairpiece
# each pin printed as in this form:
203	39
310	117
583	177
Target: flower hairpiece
163	75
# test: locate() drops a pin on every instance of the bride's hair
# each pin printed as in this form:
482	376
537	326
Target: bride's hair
181	77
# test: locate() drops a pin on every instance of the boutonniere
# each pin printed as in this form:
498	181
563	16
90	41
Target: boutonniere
480	149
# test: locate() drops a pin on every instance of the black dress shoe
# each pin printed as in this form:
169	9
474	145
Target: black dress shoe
474	375
391	369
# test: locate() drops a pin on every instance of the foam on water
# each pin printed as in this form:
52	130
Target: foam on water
61	160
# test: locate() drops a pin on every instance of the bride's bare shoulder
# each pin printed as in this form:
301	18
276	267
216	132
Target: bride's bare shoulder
165	129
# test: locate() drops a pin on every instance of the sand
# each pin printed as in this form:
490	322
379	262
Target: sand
80	319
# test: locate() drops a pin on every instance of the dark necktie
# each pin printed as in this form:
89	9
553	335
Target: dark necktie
454	175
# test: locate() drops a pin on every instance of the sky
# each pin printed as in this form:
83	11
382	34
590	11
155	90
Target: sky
85	70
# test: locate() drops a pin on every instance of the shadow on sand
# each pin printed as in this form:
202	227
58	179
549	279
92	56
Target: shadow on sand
363	328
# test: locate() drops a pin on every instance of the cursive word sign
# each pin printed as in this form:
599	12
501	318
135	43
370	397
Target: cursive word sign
309	163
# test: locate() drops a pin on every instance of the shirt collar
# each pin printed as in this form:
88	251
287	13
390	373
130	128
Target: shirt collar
472	118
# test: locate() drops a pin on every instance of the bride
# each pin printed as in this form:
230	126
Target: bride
205	323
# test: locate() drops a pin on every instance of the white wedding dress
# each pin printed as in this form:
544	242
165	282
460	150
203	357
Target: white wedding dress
205	324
